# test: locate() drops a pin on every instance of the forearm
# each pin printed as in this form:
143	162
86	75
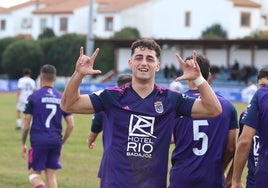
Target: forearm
24	136
208	104
227	159
67	134
71	92
240	160
230	148
228	177
92	137
209	100
26	127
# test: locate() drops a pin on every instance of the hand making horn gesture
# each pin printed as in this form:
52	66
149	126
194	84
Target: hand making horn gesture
191	70
84	64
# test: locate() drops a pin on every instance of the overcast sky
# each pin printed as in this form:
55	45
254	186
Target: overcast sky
8	3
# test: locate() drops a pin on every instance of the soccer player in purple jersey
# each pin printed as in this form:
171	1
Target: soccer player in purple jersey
254	150
43	117
140	115
253	154
250	144
203	146
99	120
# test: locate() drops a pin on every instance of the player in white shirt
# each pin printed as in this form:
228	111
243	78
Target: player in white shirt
176	85
26	86
248	92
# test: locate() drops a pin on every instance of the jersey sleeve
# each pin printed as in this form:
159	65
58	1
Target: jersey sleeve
29	105
250	118
186	104
96	125
96	100
233	119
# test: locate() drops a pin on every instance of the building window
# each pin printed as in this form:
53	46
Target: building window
43	24
245	19
109	22
63	24
265	20
187	19
26	23
3	25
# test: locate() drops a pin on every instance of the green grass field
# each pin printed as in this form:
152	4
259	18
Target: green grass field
80	164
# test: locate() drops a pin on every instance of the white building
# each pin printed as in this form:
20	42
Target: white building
159	19
178	19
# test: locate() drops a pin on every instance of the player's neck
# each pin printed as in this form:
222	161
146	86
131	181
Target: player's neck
47	84
143	89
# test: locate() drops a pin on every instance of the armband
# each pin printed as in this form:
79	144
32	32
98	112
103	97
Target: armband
199	80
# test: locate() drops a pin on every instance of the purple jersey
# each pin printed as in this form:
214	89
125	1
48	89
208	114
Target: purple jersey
257	118
253	155
99	122
46	128
138	135
199	148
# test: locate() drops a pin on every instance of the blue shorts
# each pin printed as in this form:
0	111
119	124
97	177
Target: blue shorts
40	158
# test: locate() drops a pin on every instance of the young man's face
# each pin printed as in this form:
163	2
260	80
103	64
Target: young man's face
144	63
262	82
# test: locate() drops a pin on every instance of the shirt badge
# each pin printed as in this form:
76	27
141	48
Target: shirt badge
158	105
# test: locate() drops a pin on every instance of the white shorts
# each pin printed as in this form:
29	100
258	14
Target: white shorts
21	106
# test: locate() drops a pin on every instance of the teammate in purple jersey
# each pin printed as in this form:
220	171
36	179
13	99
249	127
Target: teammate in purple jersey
99	120
43	118
203	147
253	155
250	147
140	115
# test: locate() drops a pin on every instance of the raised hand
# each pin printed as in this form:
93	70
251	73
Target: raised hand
190	68
84	64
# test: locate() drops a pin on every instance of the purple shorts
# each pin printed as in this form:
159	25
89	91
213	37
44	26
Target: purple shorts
40	158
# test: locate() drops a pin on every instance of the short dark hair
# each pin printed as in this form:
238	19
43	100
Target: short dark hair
49	72
123	79
203	63
146	43
263	73
27	71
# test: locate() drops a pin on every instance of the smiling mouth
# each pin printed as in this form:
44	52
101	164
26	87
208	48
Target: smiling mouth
143	70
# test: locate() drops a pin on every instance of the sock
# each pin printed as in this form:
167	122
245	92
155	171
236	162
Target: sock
41	186
19	122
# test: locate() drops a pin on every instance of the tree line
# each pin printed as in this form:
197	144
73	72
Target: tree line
20	52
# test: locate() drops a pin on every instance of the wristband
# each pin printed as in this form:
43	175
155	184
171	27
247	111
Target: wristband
199	80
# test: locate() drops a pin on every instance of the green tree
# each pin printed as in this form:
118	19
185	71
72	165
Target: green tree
3	45
214	32
47	33
105	59
46	44
22	54
256	34
127	33
62	52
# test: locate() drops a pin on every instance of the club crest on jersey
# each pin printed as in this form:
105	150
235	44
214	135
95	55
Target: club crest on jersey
158	105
